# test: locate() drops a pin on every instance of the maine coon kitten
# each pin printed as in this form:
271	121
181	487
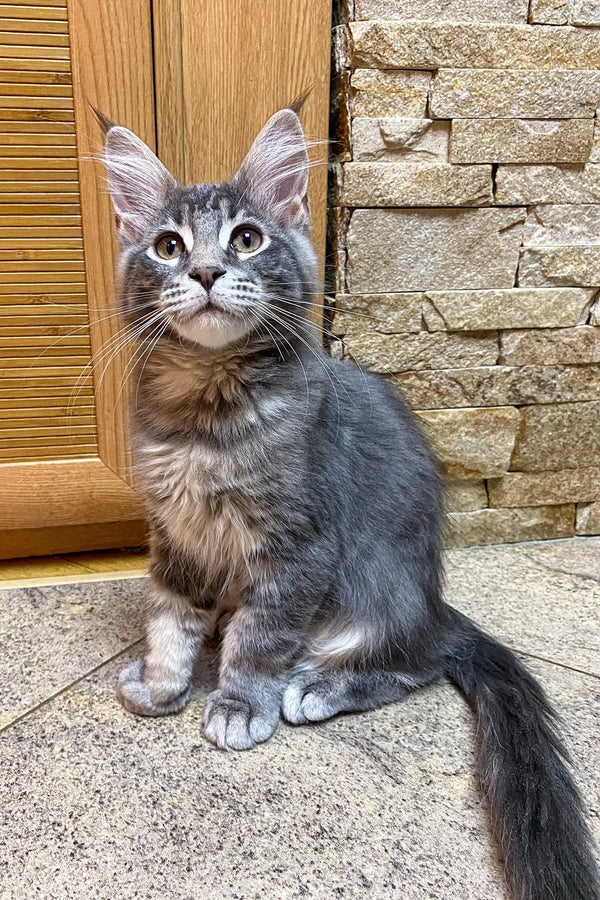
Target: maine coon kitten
295	496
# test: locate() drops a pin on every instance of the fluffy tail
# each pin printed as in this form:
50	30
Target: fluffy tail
536	811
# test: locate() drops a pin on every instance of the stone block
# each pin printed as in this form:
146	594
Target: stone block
407	184
453	10
545	488
585	12
481	93
433	249
551	226
548	184
472	443
388	313
499	386
389	353
511	308
463	496
560	265
551	438
587	519
507	526
437	45
383	94
549	12
521	140
572	346
396	139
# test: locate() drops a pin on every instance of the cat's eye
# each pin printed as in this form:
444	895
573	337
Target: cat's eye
246	239
169	246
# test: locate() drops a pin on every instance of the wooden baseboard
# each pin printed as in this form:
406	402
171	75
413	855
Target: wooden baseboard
18	543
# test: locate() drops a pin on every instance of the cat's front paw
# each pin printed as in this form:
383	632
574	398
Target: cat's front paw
144	698
233	724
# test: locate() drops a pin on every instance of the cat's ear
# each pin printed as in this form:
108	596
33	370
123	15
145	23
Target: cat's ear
275	171
138	182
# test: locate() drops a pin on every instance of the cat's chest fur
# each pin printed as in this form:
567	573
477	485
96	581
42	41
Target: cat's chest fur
207	486
205	501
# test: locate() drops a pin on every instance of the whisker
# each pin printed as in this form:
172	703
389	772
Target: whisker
306	343
293	349
303	321
144	360
331	308
116	342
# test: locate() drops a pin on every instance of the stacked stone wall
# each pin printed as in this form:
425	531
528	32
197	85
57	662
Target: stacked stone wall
465	234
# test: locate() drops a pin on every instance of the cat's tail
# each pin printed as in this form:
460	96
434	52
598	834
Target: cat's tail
536	811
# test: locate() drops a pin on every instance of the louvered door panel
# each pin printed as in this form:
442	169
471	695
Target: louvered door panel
64	467
46	393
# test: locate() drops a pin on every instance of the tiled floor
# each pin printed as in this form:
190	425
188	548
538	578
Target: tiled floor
95	803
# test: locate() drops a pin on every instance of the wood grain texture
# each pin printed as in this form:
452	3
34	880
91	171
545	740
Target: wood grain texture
48	452
21	165
55	12
113	72
71	538
239	63
72	492
36	3
29	25
169	85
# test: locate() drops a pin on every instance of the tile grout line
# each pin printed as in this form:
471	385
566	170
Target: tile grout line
553	662
549	568
129	647
68	687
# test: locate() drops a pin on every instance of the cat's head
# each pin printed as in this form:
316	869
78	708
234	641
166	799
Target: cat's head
214	264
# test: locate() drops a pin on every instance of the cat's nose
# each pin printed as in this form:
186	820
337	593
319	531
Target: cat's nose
206	275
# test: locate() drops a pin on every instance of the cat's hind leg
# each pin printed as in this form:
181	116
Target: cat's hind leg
159	683
314	694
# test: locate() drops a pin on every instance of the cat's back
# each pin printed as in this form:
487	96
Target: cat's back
377	419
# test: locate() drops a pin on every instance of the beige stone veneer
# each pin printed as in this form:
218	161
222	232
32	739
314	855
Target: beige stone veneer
465	231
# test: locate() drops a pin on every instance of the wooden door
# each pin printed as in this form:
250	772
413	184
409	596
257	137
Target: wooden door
198	78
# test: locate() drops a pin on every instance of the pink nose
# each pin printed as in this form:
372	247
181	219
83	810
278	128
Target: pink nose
207	276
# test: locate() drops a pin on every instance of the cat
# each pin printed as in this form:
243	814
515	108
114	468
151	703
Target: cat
293	499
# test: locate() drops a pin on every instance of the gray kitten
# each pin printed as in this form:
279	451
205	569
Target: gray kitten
293	499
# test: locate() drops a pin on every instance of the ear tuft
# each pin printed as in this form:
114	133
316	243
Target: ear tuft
138	182
105	123
297	104
275	171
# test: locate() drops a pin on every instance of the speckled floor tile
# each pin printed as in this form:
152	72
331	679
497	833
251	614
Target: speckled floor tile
52	636
579	556
95	803
541	599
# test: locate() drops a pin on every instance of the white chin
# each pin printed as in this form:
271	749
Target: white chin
212	336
